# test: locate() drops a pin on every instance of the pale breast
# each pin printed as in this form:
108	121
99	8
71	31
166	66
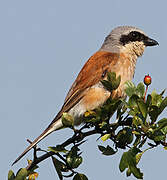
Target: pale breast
125	68
93	98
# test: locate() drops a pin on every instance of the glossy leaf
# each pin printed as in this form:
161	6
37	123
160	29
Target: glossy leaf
159	136
106	150
111	76
143	108
67	120
73	159
107	85
116	83
156	99
58	166
164	130
132	166
79	176
128	160
11	175
133	102
153	112
124	137
137	121
138	157
74	162
148	101
162	123
130	88
57	149
128	172
140	90
105	137
163	105
21	174
112	82
135	171
124	162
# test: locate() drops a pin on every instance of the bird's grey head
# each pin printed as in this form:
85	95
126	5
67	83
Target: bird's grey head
127	39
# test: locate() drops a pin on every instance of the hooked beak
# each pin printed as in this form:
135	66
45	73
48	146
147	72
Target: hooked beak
150	42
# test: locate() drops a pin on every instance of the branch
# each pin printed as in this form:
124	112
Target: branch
76	138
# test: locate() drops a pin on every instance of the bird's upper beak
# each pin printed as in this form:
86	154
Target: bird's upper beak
150	42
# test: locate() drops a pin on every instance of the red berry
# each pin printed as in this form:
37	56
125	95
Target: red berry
147	80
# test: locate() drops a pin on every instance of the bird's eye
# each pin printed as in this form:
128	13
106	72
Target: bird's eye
134	34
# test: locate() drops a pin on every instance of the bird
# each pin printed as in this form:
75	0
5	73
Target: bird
118	53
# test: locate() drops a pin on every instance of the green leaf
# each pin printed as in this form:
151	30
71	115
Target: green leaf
77	162
116	83
140	90
124	137
132	113
133	102
128	172
135	171
73	159
153	112
157	133
159	136
101	148
21	174
132	165
11	175
107	85
138	157
111	76
57	149
143	108
137	121
156	98
162	123
104	125
128	160
148	101
112	82
163	105
106	150
67	120
74	162
105	137
164	130
130	88
124	162
79	176
58	166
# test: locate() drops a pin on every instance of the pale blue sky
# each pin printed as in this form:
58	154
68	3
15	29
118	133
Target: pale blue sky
43	45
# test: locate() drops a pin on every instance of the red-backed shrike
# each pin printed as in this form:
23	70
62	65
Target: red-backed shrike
118	54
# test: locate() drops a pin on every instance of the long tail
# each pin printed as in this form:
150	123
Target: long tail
52	127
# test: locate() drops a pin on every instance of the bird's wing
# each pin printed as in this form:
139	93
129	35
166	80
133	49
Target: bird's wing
91	73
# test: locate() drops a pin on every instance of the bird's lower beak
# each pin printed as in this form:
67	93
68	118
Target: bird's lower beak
150	42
